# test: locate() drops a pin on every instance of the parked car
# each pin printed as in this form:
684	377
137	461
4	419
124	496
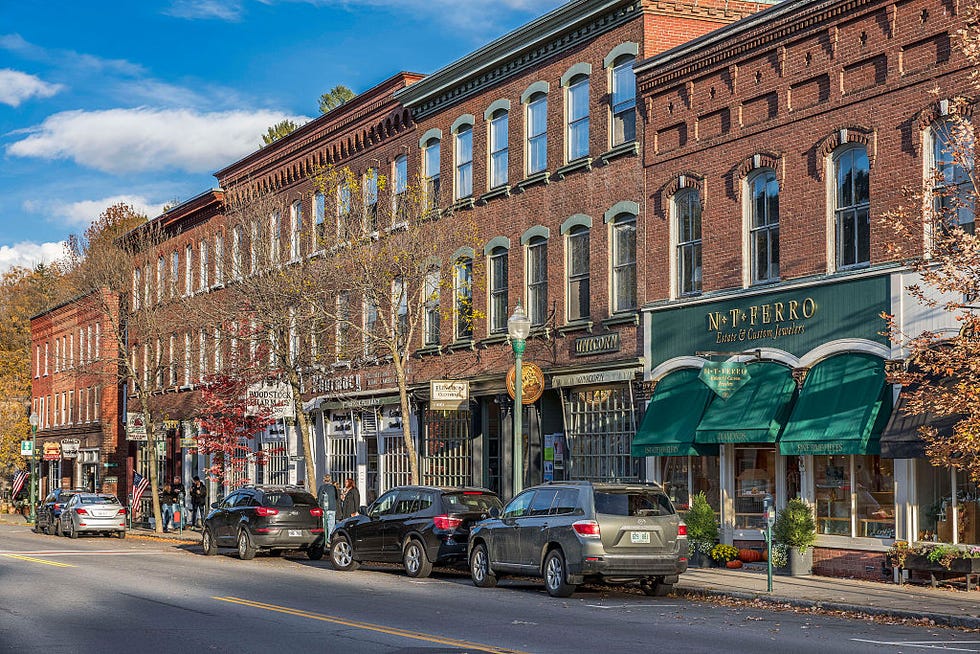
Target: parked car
420	526
265	518
49	511
574	532
93	512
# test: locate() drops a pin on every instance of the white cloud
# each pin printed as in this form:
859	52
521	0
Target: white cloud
15	87
29	254
80	214
230	10
144	139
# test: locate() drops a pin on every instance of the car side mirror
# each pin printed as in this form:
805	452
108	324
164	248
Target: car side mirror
215	505
494	513
362	510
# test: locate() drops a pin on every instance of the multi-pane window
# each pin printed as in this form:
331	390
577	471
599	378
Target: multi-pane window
577	117
687	217
498	290
400	300
319	219
137	285
463	295
219	259
370	327
401	185
161	277
952	172
623	101
764	227
296	231
537	133
203	278
343	212
432	310
371	199
253	247
202	353
537	280
188	270
173	360
430	156
275	233
237	262
624	263
852	215
577	244
187	359
464	162
343	325
499	149
174	272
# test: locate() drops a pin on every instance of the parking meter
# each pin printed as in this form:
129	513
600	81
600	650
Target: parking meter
770	513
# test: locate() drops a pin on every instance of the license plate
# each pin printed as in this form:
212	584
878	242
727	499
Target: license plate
299	532
638	537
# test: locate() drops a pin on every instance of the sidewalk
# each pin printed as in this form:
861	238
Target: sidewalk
944	606
186	537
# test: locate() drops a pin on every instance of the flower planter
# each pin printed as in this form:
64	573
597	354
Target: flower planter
800	565
921	563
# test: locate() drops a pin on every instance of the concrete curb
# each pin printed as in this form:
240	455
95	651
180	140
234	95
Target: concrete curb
943	619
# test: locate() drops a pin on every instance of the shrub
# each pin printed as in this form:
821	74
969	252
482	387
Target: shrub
795	527
702	527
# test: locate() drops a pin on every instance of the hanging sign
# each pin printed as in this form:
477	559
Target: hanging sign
724	378
533	386
52	451
448	395
69	448
277	397
135	427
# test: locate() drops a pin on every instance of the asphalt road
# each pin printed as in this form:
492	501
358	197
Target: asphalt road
107	595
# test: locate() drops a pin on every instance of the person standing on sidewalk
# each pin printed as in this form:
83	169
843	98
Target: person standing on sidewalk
166	506
350	499
327	497
199	501
180	498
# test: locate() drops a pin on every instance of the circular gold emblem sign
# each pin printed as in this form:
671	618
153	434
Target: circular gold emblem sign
533	385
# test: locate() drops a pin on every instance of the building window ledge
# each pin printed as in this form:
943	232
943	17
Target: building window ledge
429	351
462	344
630	149
576	326
494	339
499	192
585	163
543	177
463	203
623	318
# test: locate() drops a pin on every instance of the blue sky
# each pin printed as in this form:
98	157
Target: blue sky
141	102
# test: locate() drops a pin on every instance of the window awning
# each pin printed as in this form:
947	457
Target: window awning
668	427
755	413
840	408
901	438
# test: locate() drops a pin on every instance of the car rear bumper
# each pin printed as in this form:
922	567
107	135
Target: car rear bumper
448	550
101	524
632	566
281	538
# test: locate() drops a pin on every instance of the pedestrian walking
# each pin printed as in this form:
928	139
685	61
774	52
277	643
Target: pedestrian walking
350	499
327	496
199	501
180	500
166	506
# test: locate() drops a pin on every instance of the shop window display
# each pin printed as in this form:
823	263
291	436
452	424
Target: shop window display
755	477
855	496
685	476
940	509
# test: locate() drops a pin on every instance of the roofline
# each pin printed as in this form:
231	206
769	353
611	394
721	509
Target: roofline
65	303
199	201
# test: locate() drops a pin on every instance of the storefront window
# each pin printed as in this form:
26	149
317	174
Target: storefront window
832	476
600	429
870	499
939	513
686	476
755	476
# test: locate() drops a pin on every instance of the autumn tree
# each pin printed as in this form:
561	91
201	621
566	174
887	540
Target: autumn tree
335	97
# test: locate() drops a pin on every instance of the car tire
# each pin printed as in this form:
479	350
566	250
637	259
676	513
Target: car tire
417	564
655	588
316	551
246	551
58	531
342	554
72	532
480	571
556	575
208	543
121	534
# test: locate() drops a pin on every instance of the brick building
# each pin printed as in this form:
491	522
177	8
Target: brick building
771	149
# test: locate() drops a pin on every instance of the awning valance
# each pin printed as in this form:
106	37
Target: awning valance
668	427
755	413
901	438
840	409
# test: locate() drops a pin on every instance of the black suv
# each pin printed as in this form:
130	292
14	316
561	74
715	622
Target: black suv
420	526
574	532
267	518
49	511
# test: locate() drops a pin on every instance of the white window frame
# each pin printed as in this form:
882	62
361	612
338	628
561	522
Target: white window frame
533	288
296	230
839	214
576	121
499	163
682	247
497	323
622	107
463	157
768	228
462	292
583	233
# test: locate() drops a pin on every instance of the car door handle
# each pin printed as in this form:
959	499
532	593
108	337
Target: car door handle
544	526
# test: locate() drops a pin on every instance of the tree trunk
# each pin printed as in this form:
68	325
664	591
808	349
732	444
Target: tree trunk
303	425
151	436
402	380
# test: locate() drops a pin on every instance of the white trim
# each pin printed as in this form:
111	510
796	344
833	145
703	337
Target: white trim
465	119
575	70
495	106
844	346
626	48
533	89
672	365
434	133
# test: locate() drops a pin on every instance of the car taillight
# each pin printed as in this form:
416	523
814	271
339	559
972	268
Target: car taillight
81	511
121	512
57	507
265	511
316	512
586	528
682	529
446	522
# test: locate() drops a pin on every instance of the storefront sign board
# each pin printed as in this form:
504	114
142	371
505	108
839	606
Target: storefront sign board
724	378
69	448
597	344
52	451
533	386
593	378
448	394
276	397
135	427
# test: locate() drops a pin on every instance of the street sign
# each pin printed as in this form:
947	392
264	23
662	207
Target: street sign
276	397
27	448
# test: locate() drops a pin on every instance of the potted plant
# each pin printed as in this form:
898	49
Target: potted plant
722	554
702	530
796	529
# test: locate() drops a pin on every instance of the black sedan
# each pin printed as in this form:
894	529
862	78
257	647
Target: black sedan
49	511
420	526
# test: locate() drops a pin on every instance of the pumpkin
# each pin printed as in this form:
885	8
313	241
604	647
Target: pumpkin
749	556
734	565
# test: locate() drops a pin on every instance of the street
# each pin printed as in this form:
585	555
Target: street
107	595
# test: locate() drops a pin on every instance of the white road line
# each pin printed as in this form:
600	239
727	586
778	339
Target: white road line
946	646
632	606
73	553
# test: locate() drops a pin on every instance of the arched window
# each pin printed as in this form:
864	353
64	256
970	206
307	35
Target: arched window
498	290
371	200
622	100
499	158
430	156
432	309
577	273
577	117
852	217
763	198
537	280
624	262
296	229
463	298
950	172
400	185
686	207
319	219
464	162
537	133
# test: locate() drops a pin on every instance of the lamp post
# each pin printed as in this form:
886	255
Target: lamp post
33	492
518	328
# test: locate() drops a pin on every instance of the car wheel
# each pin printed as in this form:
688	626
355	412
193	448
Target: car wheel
655	588
121	534
342	554
316	550
58	531
556	575
417	564
72	532
207	543
483	576
246	550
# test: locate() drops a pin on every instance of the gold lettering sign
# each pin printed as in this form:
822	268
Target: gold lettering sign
533	386
761	322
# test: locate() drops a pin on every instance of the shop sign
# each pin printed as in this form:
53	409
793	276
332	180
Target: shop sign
135	427
69	448
52	451
171	425
724	378
593	378
338	384
533	386
188	443
448	394
364	402
597	344
274	397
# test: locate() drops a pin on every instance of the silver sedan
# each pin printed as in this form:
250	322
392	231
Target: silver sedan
93	512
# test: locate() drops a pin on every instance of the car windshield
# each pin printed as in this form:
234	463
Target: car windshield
633	503
289	498
470	501
97	499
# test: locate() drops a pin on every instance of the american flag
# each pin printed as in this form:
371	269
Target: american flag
140	484
19	478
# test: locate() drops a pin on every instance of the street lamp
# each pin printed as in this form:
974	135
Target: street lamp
518	328
33	493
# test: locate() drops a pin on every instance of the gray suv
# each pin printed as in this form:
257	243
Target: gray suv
574	532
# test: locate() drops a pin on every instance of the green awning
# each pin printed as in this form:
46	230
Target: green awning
755	413
668	427
839	410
